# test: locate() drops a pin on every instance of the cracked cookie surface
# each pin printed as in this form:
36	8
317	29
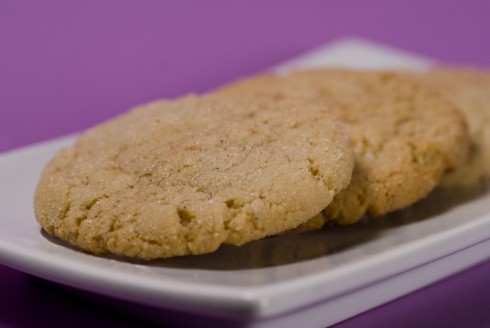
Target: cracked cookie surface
469	89
405	136
182	177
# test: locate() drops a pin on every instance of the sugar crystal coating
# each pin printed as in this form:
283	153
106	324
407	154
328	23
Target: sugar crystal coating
182	177
405	136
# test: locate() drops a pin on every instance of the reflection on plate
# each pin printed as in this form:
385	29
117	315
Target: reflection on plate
302	247
289	280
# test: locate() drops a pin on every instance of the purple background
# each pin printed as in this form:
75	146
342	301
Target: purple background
66	65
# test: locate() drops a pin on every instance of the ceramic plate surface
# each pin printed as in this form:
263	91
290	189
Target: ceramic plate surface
315	279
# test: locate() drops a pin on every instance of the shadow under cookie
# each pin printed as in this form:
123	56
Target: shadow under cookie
361	239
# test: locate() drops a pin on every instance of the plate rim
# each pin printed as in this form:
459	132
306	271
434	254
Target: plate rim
255	301
251	301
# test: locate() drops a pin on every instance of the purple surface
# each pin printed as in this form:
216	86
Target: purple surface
67	65
26	302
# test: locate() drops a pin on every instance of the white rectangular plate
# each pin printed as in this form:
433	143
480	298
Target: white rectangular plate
284	281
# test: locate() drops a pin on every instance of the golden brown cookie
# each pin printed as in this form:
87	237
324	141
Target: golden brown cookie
405	136
182	177
469	89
